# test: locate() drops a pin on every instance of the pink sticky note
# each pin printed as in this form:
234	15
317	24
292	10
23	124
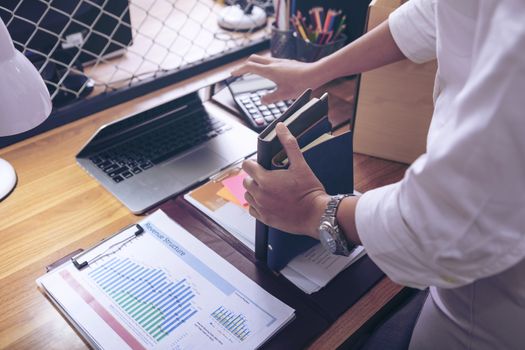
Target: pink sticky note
234	185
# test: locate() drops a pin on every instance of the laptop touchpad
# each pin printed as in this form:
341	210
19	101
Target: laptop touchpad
196	165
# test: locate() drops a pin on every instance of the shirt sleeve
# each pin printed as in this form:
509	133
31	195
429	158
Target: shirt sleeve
458	215
413	27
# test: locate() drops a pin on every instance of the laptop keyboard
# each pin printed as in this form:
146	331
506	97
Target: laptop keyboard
162	143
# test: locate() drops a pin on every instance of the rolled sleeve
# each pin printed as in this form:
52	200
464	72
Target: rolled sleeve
458	215
385	236
413	27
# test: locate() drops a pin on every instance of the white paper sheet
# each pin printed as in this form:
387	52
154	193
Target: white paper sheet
166	290
316	267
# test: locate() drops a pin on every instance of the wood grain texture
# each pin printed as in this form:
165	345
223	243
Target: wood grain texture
57	208
359	314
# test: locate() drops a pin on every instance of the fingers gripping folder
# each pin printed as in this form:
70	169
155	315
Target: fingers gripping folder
329	157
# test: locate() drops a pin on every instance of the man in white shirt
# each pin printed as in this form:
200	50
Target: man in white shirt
456	222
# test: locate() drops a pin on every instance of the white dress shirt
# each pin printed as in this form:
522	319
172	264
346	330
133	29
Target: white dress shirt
456	222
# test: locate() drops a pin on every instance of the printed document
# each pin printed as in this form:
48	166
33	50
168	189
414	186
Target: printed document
164	289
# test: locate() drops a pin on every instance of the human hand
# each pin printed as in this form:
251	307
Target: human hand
291	77
292	200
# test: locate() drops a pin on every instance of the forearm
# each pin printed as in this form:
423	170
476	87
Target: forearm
373	50
346	218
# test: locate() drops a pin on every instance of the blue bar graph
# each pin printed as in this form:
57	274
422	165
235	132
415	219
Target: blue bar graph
146	294
236	324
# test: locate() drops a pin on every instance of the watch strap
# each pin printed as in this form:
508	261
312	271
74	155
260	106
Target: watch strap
343	246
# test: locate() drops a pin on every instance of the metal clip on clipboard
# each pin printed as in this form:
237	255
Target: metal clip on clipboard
107	246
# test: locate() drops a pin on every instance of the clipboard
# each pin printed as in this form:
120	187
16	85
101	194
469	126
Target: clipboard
155	285
81	258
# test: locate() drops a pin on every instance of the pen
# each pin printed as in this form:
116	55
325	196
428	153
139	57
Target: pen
287	15
321	29
341	27
300	29
277	13
317	16
328	37
332	22
312	16
338	32
327	20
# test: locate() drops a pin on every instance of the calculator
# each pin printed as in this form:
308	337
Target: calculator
247	91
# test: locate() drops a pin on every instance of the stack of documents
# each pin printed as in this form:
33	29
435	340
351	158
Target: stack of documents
161	288
313	269
222	200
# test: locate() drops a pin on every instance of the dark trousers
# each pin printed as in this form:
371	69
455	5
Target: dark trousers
395	331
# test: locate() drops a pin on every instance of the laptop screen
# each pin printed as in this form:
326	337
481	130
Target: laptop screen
111	133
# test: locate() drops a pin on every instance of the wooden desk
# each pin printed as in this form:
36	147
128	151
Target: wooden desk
57	208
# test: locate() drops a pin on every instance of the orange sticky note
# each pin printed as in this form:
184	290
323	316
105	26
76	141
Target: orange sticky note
234	185
227	195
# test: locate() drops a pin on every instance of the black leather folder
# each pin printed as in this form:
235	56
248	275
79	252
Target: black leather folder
332	163
330	160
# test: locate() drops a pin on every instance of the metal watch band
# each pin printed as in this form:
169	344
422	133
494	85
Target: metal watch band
330	235
330	212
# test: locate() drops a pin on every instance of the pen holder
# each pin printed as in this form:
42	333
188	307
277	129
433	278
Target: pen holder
282	43
306	51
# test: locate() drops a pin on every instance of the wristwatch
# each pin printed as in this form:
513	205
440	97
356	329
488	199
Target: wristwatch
331	237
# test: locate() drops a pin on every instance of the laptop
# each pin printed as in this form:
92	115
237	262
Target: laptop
148	157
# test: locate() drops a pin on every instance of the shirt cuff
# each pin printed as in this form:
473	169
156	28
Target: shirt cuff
384	235
413	28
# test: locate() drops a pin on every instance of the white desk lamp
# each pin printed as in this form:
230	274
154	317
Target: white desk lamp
24	100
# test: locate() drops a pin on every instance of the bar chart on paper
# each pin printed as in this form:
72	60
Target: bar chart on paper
164	290
234	323
148	295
